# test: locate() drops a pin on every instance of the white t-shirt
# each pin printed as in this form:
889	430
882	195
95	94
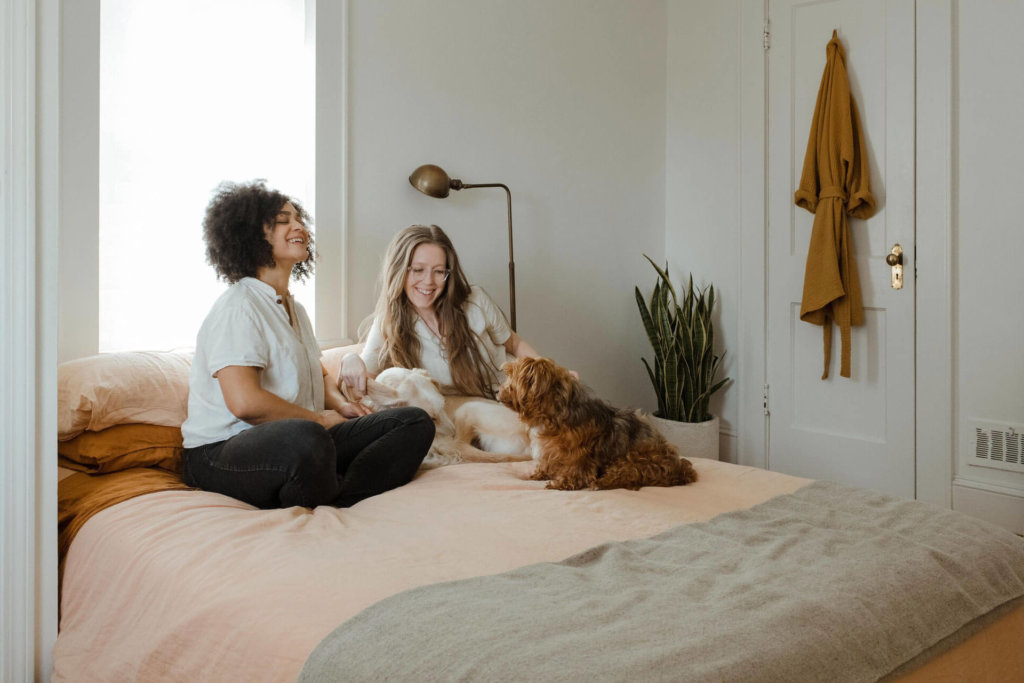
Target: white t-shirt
486	322
248	326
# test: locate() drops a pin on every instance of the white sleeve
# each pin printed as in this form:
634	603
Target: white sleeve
233	336
497	326
371	349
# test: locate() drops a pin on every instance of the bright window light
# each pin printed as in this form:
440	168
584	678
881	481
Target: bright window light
192	93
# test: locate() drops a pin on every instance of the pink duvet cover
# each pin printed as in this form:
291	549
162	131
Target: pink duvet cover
187	585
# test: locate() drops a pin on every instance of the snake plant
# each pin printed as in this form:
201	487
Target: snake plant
682	336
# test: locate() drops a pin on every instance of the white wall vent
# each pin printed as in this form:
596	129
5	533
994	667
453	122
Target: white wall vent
999	445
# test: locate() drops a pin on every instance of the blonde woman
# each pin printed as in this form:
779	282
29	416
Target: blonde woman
428	316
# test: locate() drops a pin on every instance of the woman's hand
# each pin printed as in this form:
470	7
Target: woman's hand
336	403
353	409
353	374
329	418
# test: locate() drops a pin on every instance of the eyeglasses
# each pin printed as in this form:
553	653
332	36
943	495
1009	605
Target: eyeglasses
420	273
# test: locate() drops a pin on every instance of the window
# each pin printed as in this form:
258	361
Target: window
192	93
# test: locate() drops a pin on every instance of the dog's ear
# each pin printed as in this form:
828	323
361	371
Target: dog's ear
383	396
546	376
347	393
541	388
511	390
421	372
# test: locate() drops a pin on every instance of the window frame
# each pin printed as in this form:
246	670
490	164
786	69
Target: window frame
78	256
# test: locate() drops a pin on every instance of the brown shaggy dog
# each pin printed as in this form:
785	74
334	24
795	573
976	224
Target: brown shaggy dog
582	442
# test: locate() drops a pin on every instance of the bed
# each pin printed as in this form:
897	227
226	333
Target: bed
475	572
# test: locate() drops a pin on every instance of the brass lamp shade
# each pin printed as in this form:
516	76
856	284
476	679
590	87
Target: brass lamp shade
431	180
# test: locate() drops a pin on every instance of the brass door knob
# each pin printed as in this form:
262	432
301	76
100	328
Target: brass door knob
895	260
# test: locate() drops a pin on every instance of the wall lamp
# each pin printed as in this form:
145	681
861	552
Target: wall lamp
431	180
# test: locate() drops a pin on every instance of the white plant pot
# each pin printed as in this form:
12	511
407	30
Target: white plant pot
693	439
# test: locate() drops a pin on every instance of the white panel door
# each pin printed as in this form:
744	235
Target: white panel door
858	430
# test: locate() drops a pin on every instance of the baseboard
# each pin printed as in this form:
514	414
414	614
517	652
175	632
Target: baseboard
1000	508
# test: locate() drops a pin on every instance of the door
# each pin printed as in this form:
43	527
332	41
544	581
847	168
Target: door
857	430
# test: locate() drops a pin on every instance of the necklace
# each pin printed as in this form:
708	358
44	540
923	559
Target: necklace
434	328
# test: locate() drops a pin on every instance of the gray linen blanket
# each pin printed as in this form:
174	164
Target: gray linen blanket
830	583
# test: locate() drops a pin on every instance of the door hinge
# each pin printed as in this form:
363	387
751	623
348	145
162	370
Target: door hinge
765	397
766	37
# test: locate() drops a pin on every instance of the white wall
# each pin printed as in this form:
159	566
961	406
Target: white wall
564	102
702	174
988	242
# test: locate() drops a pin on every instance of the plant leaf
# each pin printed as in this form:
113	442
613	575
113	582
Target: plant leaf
681	333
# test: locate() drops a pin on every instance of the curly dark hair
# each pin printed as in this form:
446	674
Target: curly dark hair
234	229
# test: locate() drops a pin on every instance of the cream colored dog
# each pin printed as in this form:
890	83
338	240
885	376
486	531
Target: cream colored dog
482	430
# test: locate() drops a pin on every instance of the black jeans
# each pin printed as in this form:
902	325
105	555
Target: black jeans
298	462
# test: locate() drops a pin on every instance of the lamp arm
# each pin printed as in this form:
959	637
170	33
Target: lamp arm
457	184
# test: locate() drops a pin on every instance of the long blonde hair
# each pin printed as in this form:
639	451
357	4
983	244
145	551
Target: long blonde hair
472	371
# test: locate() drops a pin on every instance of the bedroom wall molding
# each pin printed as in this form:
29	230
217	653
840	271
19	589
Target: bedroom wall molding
17	624
966	482
933	259
999	504
752	433
28	194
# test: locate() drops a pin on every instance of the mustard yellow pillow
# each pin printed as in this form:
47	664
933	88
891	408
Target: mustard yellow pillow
122	447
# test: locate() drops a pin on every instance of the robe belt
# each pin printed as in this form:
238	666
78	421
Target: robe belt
833	191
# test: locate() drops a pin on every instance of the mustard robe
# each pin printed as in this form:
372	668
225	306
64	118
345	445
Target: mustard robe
834	184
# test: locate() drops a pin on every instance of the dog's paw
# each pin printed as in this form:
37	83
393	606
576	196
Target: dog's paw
446	451
564	486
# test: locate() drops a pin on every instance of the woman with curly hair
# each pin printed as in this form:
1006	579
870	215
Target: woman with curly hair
428	316
265	424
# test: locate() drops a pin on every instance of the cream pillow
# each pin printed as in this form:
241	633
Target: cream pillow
149	387
109	389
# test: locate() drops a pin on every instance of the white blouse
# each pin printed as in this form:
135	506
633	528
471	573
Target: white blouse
248	326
